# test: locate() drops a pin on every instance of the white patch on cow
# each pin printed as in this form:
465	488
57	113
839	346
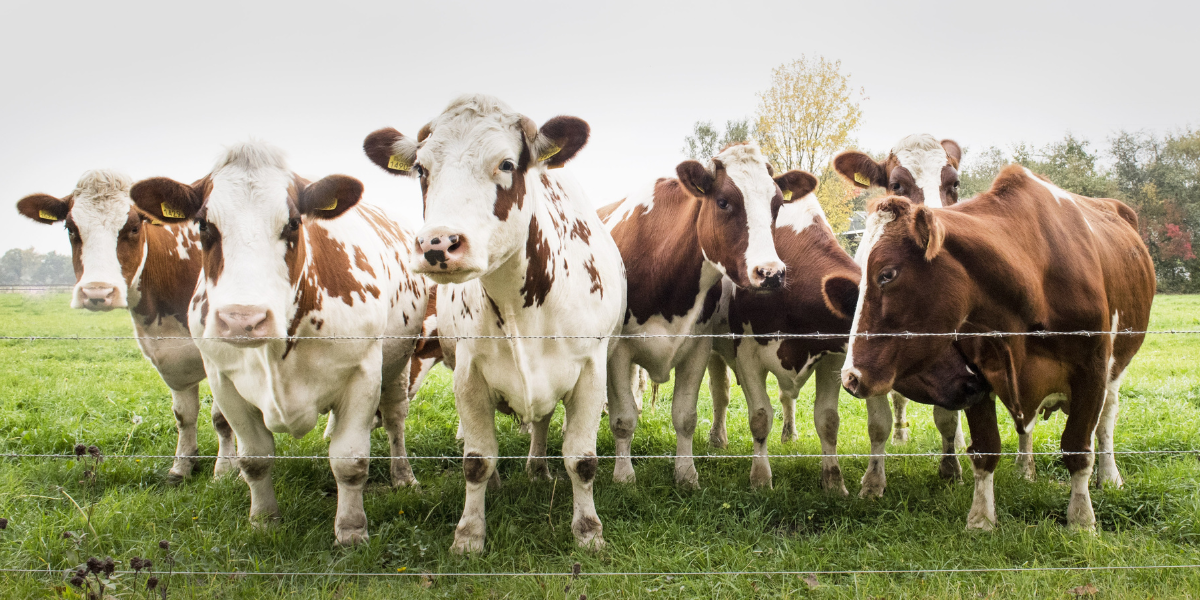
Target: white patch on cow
1053	402
924	157
801	213
643	197
1058	193
983	503
747	168
100	208
716	265
872	232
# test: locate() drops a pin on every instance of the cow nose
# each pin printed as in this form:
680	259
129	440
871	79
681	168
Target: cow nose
441	247
769	276
96	296
242	321
851	382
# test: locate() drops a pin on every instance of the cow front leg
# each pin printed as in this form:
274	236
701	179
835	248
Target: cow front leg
226	443
827	421
900	432
255	445
582	409
688	377
477	414
349	456
1087	402
879	426
787	401
185	404
535	465
718	388
761	415
947	423
1025	463
1106	467
622	412
985	454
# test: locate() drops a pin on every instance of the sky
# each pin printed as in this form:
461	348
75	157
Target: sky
159	89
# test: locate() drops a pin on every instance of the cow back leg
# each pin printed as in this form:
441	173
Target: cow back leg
226	443
984	451
1025	463
1087	401
900	430
255	445
350	452
393	407
753	379
1106	465
477	414
535	464
583	407
827	421
718	388
185	404
787	401
948	426
689	375
879	427
622	413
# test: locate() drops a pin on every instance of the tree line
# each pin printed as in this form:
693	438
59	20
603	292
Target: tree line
30	267
811	111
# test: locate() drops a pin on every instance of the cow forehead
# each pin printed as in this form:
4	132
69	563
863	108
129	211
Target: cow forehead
746	166
251	185
924	157
872	232
472	141
101	200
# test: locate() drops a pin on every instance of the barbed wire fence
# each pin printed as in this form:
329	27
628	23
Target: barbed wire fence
576	571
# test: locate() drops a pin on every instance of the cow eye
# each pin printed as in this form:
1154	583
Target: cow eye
202	225
134	230
420	170
885	276
895	187
722	204
294	224
956	185
507	166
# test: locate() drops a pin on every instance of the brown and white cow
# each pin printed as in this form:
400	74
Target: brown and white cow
288	264
1025	256
527	274
124	260
680	239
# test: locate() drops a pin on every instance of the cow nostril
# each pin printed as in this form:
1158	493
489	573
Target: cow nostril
420	241
435	241
453	239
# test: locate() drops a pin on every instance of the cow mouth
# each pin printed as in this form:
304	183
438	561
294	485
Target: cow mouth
242	341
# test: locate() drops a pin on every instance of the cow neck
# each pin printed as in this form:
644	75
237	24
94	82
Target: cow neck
165	279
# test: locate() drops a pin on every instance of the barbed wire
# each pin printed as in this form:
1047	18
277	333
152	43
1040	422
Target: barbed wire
621	336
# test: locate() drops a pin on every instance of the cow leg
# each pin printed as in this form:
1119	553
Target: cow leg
393	407
879	427
689	374
758	404
185	404
718	388
535	465
350	452
948	425
1025	463
477	415
900	433
787	400
1106	469
255	445
226	443
583	407
622	413
1087	401
984	451
827	420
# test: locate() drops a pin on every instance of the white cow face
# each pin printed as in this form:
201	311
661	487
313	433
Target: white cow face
919	168
477	163
254	217
107	245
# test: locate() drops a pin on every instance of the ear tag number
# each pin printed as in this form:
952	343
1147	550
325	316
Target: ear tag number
47	215
549	152
787	195
171	212
862	180
397	162
332	205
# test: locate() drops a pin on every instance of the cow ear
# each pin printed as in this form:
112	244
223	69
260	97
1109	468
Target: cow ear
796	184
44	208
329	197
168	200
953	151
696	179
559	139
860	169
929	231
841	296
392	151
897	205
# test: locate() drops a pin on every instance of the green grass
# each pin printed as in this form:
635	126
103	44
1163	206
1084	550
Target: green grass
54	394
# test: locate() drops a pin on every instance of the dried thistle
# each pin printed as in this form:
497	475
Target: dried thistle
80	450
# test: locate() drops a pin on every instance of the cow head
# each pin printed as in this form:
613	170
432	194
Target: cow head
739	201
106	236
477	163
256	218
919	168
901	255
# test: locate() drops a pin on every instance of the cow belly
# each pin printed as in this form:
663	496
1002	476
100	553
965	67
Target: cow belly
177	361
660	355
535	387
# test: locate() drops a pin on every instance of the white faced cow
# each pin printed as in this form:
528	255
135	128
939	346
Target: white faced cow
123	259
517	252
288	262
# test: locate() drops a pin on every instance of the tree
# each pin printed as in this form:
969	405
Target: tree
28	267
706	141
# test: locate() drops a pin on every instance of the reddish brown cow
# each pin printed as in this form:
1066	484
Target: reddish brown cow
1024	256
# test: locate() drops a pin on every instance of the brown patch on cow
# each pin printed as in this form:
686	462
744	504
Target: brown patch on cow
168	280
515	194
594	274
710	302
495	310
586	467
759	424
204	310
221	425
586	526
330	265
360	261
581	231
254	469
475	468
540	274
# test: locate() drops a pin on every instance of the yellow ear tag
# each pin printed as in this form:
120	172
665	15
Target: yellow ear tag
861	179
397	162
171	212
332	205
787	195
47	215
551	151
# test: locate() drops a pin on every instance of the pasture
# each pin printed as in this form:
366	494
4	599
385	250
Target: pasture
55	394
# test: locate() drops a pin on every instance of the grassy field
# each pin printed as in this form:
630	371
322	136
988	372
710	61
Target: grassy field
54	394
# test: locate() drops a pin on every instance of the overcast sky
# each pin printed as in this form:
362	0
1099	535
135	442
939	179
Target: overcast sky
159	88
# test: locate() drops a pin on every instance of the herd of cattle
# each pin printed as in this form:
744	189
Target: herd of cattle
257	268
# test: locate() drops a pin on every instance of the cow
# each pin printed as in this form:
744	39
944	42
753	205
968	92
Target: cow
530	287
1025	256
123	259
289	264
924	170
687	242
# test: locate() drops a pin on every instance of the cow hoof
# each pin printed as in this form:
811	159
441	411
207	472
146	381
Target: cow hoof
174	478
538	472
350	538
787	433
950	469
687	478
409	482
466	545
872	486
832	482
980	523
264	522
900	435
623	472
595	543
1027	470
588	533
1107	479
718	438
760	477
223	468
